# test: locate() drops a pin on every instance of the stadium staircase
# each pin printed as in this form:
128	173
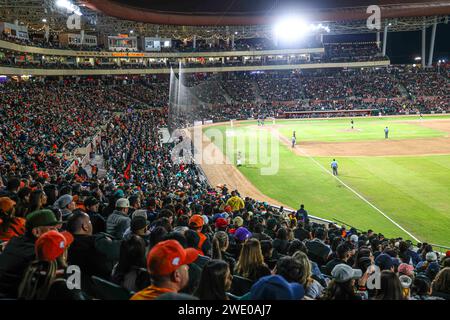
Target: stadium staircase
403	91
258	98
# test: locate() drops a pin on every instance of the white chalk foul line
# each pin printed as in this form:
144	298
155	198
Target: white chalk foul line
354	191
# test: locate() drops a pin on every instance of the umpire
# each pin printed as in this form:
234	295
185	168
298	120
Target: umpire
334	166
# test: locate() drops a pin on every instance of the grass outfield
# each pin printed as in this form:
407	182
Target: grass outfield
414	191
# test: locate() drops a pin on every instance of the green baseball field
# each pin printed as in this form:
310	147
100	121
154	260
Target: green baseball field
398	186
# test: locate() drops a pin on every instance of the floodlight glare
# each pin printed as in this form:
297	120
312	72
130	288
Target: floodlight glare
418	58
290	29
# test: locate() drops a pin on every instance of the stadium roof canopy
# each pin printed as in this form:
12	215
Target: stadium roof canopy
259	12
181	19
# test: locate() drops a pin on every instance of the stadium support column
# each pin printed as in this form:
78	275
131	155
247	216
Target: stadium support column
194	41
385	39
424	36
433	36
378	39
232	41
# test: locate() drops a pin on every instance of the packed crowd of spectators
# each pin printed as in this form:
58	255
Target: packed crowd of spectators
44	122
152	228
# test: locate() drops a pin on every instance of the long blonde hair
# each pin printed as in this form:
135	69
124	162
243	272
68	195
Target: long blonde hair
305	274
37	280
250	258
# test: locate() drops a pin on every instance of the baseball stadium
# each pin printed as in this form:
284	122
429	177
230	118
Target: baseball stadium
232	151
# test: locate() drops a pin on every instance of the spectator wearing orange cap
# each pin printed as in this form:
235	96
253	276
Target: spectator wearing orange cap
168	265
10	226
196	223
44	278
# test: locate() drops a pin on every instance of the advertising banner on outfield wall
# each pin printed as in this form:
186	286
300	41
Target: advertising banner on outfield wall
197	123
207	122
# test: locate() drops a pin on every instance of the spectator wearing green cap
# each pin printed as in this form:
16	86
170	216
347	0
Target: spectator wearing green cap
20	252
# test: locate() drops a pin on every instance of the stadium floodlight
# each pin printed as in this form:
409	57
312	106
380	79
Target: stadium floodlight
290	28
69	6
44	20
418	58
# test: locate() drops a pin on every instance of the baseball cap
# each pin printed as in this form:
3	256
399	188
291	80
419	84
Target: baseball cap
384	261
139	213
196	221
275	287
41	218
242	234
238	221
122	203
167	256
354	238
221	223
119	193
205	219
431	256
447	254
227	209
343	273
138	222
63	201
6	204
406	269
52	244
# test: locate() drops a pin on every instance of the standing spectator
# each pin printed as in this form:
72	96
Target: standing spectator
302	214
20	252
251	261
44	278
215	281
168	265
10	225
118	221
235	202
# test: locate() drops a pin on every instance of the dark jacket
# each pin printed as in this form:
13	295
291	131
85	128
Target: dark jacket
14	261
331	264
318	251
261	236
95	255
301	234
